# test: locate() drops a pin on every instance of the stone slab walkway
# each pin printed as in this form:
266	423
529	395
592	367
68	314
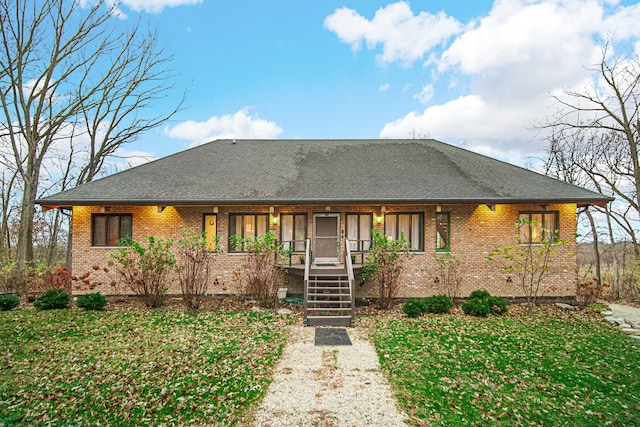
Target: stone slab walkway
327	386
627	318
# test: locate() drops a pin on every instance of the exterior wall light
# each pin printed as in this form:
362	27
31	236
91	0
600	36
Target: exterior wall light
379	219
274	219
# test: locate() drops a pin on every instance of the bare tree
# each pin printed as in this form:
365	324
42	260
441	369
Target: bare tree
62	65
594	143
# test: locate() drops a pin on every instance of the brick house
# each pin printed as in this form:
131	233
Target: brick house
443	198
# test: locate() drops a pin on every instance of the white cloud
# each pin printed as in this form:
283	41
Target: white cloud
425	94
505	66
522	48
467	117
150	6
241	125
404	37
384	87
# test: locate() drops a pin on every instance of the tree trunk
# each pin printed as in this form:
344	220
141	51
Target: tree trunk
596	248
24	248
614	253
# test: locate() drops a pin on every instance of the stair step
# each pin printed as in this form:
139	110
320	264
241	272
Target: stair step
329	305
328	309
332	282
325	295
328	321
328	288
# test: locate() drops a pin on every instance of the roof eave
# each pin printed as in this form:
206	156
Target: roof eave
53	203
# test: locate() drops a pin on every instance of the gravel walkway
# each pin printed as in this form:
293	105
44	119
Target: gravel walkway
327	386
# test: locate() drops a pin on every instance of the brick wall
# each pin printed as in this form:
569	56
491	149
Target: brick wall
475	231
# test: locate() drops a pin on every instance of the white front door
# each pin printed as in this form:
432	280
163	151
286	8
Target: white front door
326	237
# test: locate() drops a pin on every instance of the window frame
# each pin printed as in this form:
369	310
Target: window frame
447	246
230	247
293	231
121	235
358	229
410	239
544	231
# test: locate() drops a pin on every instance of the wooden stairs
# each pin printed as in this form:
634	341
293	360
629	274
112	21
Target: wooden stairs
328	297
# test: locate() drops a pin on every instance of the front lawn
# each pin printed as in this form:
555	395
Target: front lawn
138	367
540	369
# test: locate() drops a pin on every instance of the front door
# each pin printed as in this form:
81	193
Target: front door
326	237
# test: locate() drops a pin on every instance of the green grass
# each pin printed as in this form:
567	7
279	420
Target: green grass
521	369
140	367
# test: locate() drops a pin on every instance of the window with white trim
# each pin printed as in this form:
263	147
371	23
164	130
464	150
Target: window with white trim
293	231
538	226
359	231
246	225
411	225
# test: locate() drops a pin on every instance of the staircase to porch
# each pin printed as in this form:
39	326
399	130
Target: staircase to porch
328	298
328	293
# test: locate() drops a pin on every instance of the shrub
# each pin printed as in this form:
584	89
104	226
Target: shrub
447	274
52	300
46	279
12	279
145	270
95	301
386	263
481	304
263	268
479	294
437	304
413	308
529	264
8	302
476	307
498	305
195	259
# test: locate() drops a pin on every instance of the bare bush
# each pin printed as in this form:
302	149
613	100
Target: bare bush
447	274
195	259
263	267
145	271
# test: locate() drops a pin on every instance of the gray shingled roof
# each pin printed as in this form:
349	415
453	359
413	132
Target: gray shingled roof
323	171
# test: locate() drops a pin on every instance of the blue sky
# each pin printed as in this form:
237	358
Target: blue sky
478	74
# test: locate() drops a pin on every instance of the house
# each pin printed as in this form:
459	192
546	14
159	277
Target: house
441	197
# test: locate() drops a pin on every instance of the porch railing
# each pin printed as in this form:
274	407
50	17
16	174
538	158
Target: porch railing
349	265
307	268
296	248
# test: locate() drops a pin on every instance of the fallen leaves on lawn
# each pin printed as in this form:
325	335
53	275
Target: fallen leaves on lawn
546	368
135	366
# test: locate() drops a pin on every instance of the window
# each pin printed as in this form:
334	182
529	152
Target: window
359	232
538	227
210	228
443	231
107	229
246	225
411	225
293	231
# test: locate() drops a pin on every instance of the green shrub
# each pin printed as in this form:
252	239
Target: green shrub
52	299
476	307
479	294
95	301
413	308
437	304
8	302
498	305
481	304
